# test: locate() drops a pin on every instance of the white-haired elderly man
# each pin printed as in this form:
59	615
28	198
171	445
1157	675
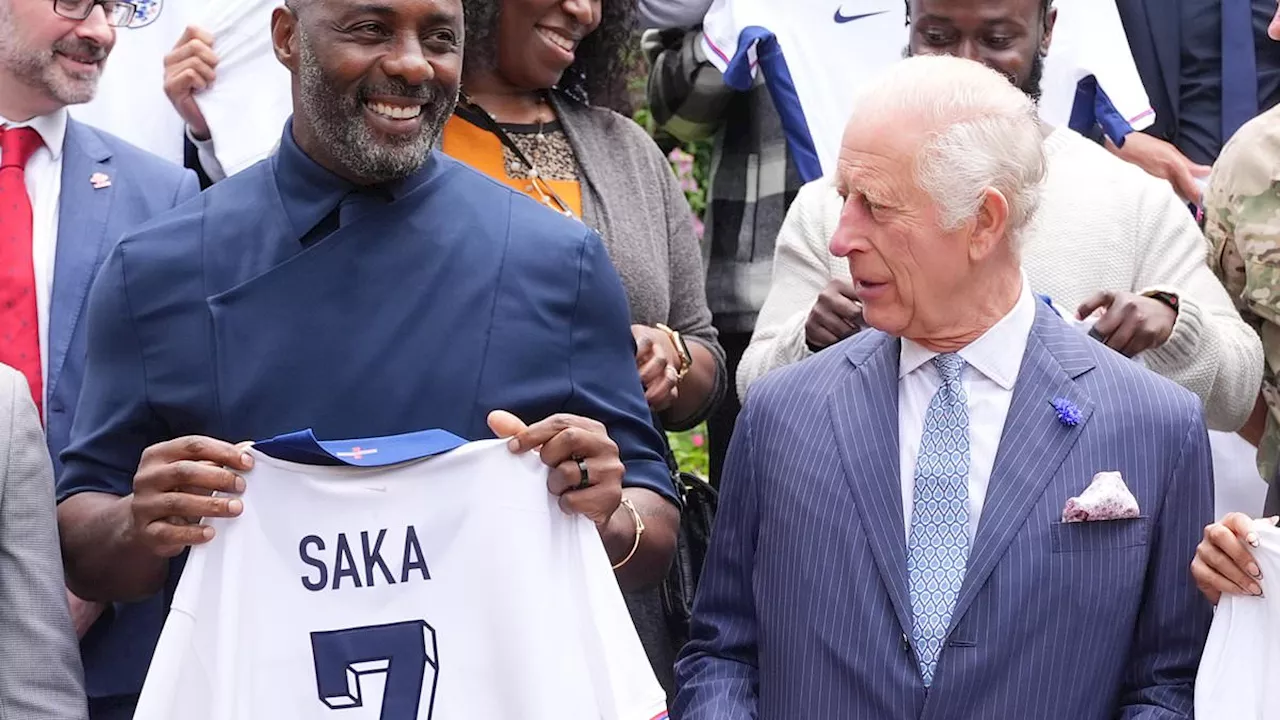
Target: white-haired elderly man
1108	237
971	510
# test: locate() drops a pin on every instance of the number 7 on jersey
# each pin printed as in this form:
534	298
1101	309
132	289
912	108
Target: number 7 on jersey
403	651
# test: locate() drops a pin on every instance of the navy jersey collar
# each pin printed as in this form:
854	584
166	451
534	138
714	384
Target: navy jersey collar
310	192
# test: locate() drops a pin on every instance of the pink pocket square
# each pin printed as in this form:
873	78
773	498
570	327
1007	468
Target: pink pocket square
1106	498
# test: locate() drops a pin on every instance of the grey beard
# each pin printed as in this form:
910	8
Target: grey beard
39	69
338	123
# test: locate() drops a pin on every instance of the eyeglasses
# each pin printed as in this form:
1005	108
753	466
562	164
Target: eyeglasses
119	13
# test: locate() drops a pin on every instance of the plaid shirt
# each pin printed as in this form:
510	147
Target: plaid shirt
753	179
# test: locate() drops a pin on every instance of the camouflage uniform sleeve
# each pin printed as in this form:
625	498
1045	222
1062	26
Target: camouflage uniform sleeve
1219	230
1242	225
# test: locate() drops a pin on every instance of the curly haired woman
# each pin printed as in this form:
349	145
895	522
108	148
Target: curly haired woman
538	76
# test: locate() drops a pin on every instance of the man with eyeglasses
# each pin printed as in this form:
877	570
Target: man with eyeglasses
68	192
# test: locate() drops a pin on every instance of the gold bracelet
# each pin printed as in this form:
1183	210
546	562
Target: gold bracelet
639	531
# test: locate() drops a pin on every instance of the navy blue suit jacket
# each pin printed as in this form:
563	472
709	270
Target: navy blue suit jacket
1154	30
804	609
457	298
90	221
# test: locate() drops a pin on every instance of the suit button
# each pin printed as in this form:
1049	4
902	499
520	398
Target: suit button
906	644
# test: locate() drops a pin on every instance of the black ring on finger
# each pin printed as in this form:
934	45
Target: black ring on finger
585	481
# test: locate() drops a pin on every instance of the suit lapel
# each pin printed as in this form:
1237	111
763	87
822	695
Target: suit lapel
82	229
1164	21
1033	445
864	412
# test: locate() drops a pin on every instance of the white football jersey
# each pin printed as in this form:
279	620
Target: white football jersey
1239	677
447	588
247	105
816	55
1089	48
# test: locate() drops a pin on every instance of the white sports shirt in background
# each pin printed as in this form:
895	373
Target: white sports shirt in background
1239	677
450	588
247	105
817	54
130	102
1090	49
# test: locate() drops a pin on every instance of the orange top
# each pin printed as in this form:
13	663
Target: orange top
483	151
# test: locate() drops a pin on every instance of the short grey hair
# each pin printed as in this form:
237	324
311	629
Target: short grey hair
985	134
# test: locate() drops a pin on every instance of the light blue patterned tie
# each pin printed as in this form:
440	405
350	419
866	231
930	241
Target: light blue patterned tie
939	541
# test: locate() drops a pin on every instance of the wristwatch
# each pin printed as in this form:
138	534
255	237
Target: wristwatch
686	358
1167	299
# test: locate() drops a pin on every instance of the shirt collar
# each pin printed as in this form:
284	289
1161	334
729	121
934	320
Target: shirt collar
997	354
52	129
310	192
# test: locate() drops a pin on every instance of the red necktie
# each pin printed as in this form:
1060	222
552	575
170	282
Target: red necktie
19	324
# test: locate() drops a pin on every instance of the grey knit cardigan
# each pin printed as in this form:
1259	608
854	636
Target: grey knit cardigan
631	197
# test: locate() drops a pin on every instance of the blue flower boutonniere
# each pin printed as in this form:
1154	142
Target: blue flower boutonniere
1068	413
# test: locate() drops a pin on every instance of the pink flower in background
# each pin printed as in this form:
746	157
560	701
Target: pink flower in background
698	440
683	164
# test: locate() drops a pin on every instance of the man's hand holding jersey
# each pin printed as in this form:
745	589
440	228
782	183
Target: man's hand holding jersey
173	490
640	534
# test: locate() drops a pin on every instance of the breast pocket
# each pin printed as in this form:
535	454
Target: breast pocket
1099	535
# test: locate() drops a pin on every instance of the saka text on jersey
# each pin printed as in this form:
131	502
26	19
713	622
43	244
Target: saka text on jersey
335	561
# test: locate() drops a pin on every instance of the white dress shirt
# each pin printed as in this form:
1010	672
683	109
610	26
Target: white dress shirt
991	368
44	186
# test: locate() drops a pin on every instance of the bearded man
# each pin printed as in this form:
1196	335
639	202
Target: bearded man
67	192
361	284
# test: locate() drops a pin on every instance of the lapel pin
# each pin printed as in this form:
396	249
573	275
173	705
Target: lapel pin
99	180
1068	413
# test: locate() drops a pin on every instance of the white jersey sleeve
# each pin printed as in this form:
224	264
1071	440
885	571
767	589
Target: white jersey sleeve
250	100
450	588
1240	666
720	30
1090	49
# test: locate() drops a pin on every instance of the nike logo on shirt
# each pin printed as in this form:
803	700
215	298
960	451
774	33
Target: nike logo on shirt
842	19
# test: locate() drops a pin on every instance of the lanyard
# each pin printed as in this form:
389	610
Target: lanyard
476	115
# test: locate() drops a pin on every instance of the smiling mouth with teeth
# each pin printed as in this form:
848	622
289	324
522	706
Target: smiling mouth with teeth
396	112
558	40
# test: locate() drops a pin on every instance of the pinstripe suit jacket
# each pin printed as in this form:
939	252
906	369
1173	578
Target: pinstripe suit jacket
803	610
40	677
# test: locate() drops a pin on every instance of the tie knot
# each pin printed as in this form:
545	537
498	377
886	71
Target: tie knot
949	366
17	145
